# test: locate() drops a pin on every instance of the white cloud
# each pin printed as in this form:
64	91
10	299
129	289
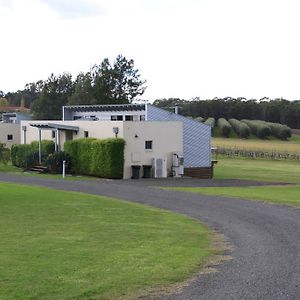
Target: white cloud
75	8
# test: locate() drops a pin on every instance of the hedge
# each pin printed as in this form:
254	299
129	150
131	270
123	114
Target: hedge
210	122
26	156
240	128
258	128
199	119
280	131
224	126
102	158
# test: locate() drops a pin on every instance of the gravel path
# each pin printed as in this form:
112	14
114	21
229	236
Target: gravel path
265	238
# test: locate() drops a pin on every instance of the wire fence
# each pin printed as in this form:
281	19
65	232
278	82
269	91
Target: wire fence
256	154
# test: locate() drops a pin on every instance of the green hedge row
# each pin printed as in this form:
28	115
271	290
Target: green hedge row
240	128
210	122
258	128
224	126
26	156
280	131
101	158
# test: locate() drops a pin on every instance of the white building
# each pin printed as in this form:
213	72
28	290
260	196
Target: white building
150	133
10	128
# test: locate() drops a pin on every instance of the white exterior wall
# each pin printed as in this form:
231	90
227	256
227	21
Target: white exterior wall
9	129
96	129
167	137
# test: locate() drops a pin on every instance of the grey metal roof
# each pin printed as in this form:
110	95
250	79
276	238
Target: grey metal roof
54	126
117	107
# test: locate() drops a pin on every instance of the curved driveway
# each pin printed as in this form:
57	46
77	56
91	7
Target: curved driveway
265	238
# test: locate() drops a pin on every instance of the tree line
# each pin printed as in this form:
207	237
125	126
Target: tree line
107	83
275	111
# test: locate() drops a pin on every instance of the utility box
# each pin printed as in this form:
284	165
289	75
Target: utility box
178	164
160	168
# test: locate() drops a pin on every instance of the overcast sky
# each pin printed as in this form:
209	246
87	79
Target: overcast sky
183	48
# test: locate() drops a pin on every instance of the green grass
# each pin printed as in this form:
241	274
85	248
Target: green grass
287	195
8	168
67	245
259	169
272	144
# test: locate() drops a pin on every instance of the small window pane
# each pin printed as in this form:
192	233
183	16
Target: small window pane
148	145
10	137
86	134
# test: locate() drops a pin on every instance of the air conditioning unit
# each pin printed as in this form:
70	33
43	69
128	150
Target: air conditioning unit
159	168
178	167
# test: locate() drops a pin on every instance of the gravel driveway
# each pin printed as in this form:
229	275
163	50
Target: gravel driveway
265	237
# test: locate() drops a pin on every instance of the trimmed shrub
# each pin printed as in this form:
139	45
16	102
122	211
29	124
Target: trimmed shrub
258	128
23	156
280	131
26	156
240	128
4	154
199	119
54	162
210	122
101	158
48	147
224	126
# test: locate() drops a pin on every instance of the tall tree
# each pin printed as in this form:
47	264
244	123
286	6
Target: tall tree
54	94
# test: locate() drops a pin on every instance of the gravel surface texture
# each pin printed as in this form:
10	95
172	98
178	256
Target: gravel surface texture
265	238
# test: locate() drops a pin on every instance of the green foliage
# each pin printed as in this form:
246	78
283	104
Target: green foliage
26	156
280	131
23	156
224	127
101	158
4	154
210	122
52	97
67	245
54	162
275	111
199	119
258	128
240	128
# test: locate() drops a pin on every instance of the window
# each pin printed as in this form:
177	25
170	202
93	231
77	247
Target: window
53	134
116	118
77	117
142	118
86	134
10	137
128	118
148	145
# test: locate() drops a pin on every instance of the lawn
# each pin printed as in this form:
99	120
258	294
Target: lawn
287	195
291	146
67	245
258	169
9	168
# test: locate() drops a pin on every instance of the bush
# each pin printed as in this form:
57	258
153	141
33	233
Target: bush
54	162
26	156
240	128
23	156
210	122
224	126
101	158
4	154
199	119
258	128
280	131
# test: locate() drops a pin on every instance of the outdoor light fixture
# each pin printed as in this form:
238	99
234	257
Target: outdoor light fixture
116	131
